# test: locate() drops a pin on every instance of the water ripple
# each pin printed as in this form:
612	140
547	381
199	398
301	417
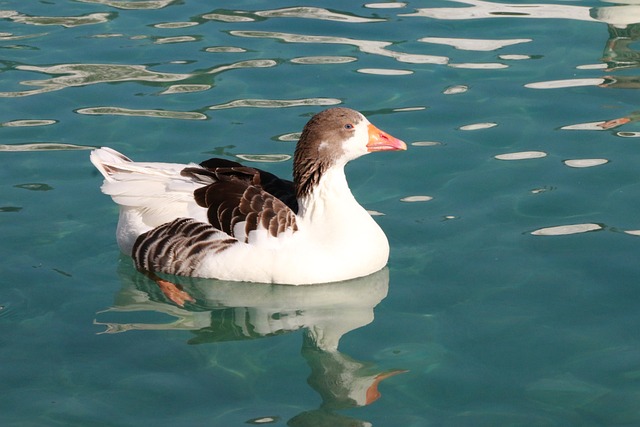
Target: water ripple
413	199
620	16
478	126
390	5
28	123
522	155
316	60
65	21
175	39
185	89
484	9
585	163
304	12
85	74
264	158
275	103
456	89
132	5
43	146
384	71
174	25
479	65
473	44
73	75
225	49
558	84
227	16
253	63
11	36
162	114
34	186
563	230
315	13
366	46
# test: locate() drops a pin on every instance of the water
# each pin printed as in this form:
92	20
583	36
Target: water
511	296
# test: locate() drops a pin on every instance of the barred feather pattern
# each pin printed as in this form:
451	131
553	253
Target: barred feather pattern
178	247
223	170
233	202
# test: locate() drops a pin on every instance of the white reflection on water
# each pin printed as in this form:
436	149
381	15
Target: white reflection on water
290	137
366	46
628	134
456	89
176	39
225	49
619	16
515	57
621	82
185	89
394	5
413	199
473	44
316	60
585	163
426	143
305	12
385	71
557	84
479	66
227	17
478	126
85	74
162	114
275	103
562	230
132	4
28	123
314	13
10	36
264	158
43	146
65	21
173	25
254	63
484	9
522	155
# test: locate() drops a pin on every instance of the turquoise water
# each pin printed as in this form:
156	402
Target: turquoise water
511	296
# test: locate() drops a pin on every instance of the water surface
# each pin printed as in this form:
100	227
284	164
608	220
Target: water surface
511	293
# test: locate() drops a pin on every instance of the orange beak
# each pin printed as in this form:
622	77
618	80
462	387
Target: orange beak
382	141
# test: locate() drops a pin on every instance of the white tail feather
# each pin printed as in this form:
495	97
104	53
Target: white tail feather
151	193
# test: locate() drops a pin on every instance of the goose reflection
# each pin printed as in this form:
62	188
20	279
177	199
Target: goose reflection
217	311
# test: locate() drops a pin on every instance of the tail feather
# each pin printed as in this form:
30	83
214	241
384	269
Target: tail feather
156	191
106	160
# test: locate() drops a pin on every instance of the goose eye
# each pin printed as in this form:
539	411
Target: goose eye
348	126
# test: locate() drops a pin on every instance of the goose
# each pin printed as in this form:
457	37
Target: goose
222	220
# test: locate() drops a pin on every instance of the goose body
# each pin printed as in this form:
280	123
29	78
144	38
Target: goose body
226	221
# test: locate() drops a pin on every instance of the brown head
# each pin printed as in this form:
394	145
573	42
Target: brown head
334	137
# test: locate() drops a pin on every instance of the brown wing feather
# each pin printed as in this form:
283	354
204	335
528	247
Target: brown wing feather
232	201
215	170
236	193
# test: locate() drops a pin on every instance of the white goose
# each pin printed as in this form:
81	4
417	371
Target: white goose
226	221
